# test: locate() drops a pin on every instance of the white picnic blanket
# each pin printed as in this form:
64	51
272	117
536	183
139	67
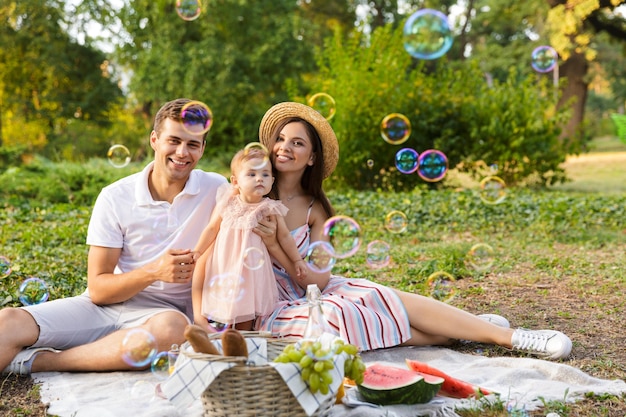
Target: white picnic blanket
524	383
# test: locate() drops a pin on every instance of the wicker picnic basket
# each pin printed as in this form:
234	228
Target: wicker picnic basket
252	390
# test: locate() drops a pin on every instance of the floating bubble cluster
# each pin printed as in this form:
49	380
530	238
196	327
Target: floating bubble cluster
492	190
160	365
260	152
321	256
138	347
544	58
480	257
324	104
378	254
344	235
441	285
189	9
432	165
118	156
395	128
5	267
396	221
196	117
33	291
427	34
406	160
253	258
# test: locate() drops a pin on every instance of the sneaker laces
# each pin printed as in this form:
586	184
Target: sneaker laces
533	341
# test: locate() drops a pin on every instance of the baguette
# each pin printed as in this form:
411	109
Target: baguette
199	340
233	343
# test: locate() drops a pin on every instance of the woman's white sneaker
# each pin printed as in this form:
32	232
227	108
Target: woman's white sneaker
549	344
495	319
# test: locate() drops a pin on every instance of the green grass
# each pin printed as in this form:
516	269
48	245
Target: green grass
572	236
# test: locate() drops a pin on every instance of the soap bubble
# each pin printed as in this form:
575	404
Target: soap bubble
492	190
138	347
321	256
480	257
160	365
396	221
544	58
188	9
5	267
259	152
118	155
344	235
196	114
406	160
427	34
378	254
395	128
323	104
441	285
253	258
140	390
33	291
225	287
432	165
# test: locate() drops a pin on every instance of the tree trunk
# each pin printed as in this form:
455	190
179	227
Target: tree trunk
574	94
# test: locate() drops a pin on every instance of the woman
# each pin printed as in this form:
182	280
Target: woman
304	151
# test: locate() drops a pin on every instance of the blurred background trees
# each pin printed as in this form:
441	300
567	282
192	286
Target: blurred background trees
79	76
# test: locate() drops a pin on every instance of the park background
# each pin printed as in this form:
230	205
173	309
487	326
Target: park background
78	77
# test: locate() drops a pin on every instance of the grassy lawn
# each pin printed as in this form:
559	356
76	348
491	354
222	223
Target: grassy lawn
559	261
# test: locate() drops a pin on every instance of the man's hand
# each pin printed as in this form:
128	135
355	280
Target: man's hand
175	266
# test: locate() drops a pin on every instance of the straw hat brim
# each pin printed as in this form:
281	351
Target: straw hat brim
281	111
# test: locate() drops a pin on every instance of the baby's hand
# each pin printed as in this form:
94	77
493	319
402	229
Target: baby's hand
301	269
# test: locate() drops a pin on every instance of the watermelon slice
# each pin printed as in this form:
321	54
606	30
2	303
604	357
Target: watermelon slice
386	384
452	387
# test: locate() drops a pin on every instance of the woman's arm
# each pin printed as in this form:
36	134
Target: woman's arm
267	231
290	248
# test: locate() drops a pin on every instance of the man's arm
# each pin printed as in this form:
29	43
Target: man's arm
105	287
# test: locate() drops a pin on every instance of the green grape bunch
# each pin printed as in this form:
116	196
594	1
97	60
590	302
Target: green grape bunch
317	362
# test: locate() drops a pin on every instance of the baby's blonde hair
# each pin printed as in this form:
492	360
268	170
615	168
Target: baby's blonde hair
244	155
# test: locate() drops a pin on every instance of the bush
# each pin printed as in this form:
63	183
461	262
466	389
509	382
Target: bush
45	182
454	110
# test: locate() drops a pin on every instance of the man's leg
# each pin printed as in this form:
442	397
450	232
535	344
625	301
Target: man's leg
105	354
18	330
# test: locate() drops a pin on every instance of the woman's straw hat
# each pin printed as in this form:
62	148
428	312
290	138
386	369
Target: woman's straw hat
286	110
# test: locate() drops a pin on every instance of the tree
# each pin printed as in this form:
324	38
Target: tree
236	56
572	25
47	77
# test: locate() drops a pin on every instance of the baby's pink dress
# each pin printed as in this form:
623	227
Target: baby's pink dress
239	282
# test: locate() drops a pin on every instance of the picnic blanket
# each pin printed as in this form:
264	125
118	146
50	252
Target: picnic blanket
525	383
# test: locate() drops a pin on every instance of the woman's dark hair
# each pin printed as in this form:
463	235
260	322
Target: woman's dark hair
313	175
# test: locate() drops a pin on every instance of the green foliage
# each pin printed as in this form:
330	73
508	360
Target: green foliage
45	208
47	77
42	182
510	124
236	58
45	241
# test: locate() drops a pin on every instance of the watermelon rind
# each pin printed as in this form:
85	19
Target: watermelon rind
387	385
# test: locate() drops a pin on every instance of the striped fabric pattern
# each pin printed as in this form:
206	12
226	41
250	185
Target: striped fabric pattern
363	313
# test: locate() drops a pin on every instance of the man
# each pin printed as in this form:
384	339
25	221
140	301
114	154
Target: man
140	260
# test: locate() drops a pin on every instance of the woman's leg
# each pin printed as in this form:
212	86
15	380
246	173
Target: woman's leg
436	323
